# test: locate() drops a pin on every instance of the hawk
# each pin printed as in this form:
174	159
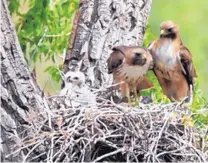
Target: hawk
129	64
173	65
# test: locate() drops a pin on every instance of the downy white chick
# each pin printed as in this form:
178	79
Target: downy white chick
76	89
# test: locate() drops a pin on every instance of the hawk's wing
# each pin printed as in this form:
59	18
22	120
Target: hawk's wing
188	66
115	61
144	84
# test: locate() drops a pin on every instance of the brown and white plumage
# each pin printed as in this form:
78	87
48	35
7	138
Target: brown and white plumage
173	65
129	64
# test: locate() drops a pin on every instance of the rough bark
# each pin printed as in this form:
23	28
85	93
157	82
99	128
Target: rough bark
100	25
21	98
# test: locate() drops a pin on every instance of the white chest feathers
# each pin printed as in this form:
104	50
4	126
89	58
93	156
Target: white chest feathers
135	72
165	54
77	96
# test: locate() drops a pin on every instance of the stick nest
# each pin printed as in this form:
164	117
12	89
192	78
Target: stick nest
111	132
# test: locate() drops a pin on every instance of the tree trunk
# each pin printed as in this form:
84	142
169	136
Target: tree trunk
99	25
21	98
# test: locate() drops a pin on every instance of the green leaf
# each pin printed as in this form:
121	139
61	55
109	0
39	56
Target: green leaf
14	6
54	73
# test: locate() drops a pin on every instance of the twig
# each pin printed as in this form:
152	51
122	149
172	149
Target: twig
37	144
159	136
109	154
57	35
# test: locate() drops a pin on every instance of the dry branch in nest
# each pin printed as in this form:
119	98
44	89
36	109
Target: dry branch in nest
111	132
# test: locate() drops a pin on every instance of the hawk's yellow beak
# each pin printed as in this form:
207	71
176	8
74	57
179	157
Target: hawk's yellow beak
162	32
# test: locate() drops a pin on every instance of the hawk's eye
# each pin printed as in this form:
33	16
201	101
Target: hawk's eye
120	62
76	78
116	64
170	29
138	54
68	79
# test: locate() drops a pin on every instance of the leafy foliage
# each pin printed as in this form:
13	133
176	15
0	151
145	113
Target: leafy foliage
14	6
149	35
55	73
43	30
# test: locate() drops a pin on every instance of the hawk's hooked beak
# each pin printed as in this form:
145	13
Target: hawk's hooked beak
162	32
